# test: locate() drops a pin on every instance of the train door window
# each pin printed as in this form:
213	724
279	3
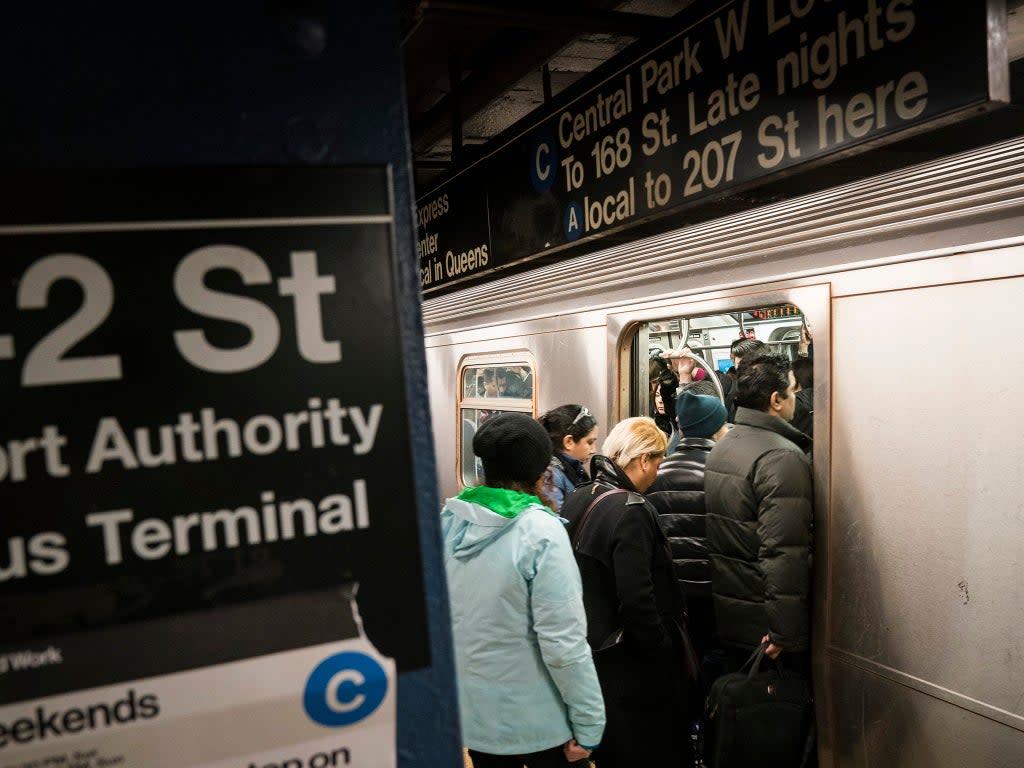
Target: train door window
704	342
489	385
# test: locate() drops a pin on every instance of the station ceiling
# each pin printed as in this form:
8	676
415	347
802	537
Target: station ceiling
509	56
504	54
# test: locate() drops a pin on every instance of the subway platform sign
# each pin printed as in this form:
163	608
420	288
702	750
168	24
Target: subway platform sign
204	487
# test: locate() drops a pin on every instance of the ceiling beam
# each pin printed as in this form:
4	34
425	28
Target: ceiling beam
500	44
510	56
574	18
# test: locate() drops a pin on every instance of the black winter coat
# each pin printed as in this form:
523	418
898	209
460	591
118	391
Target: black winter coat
759	496
624	561
628	584
729	391
803	418
678	497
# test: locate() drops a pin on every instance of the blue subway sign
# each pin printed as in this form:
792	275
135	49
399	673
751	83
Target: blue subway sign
740	93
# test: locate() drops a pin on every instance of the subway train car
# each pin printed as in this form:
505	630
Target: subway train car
909	283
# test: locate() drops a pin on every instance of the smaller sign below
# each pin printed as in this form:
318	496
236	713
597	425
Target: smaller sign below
322	706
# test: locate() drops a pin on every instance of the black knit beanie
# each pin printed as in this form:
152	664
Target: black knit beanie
699	415
513	447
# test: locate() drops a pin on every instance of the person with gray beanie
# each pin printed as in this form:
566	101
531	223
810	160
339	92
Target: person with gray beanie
528	691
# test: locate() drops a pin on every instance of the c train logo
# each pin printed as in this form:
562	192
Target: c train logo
344	689
543	160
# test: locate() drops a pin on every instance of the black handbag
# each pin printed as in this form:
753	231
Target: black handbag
688	655
614	640
759	718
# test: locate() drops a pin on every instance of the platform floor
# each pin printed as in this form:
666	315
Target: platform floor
467	763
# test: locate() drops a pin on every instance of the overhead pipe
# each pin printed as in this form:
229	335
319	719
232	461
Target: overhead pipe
455	99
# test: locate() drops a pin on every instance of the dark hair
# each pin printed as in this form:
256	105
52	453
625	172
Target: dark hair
759	377
743	347
803	369
656	367
559	423
667	379
666	382
538	489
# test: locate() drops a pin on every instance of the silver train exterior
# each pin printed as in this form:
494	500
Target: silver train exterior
913	282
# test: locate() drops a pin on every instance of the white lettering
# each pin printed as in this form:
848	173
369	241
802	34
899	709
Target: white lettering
221	529
307	287
110	443
864	112
109	521
604	110
344	676
211	437
190	288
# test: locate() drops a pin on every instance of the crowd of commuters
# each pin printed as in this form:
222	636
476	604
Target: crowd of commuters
595	596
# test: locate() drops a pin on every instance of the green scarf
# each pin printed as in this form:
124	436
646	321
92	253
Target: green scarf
501	501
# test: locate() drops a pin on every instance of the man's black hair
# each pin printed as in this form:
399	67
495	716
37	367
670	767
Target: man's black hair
759	377
741	348
803	369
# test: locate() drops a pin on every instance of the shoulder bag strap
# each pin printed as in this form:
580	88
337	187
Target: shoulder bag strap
586	515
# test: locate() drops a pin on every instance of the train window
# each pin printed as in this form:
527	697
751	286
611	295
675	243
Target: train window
706	341
498	381
489	386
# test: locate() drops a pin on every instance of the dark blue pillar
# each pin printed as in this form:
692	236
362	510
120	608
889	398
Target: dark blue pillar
235	84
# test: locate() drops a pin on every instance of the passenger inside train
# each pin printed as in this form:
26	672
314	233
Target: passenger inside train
481	386
664	383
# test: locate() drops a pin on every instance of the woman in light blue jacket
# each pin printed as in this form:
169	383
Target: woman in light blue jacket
528	692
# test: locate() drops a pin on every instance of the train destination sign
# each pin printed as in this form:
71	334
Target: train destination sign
460	207
199	474
746	91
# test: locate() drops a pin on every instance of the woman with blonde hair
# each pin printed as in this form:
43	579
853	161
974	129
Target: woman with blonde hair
633	603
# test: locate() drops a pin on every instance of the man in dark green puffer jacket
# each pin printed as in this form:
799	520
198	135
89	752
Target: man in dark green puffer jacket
759	498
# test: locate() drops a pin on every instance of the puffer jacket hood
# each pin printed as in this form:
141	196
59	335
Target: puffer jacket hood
483	514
